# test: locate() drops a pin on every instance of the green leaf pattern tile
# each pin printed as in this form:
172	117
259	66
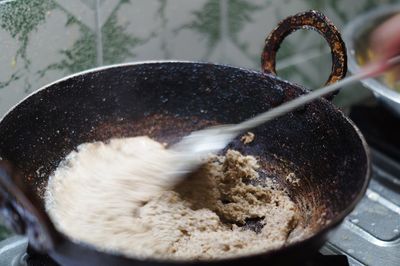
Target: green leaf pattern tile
80	55
119	43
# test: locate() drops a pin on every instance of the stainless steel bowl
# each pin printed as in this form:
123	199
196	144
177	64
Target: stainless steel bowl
356	35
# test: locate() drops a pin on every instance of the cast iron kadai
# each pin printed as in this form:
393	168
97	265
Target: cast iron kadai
168	100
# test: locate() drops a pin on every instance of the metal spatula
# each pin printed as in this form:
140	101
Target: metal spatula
198	144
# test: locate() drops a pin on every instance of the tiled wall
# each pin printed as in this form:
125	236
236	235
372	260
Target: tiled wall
44	40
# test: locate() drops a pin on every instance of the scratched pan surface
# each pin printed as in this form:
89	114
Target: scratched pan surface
167	100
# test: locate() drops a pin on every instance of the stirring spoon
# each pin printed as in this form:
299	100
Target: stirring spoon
189	151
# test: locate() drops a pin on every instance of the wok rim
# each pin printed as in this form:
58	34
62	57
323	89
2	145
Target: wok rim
333	223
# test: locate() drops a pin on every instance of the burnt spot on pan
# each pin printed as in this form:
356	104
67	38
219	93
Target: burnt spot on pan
254	224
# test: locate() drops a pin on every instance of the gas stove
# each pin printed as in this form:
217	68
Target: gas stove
370	235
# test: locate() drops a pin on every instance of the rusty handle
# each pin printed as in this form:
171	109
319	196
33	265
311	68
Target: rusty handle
307	20
20	213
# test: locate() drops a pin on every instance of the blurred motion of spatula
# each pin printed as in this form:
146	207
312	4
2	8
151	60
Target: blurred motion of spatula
198	144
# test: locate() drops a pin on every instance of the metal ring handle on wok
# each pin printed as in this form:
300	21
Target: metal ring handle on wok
312	20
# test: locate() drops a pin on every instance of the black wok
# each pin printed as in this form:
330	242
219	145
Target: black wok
167	100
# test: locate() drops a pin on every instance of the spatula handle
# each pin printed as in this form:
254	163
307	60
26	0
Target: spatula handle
370	71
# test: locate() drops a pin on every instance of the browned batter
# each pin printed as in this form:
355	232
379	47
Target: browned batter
215	213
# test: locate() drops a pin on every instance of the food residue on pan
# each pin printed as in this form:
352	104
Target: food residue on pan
293	179
95	196
247	138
